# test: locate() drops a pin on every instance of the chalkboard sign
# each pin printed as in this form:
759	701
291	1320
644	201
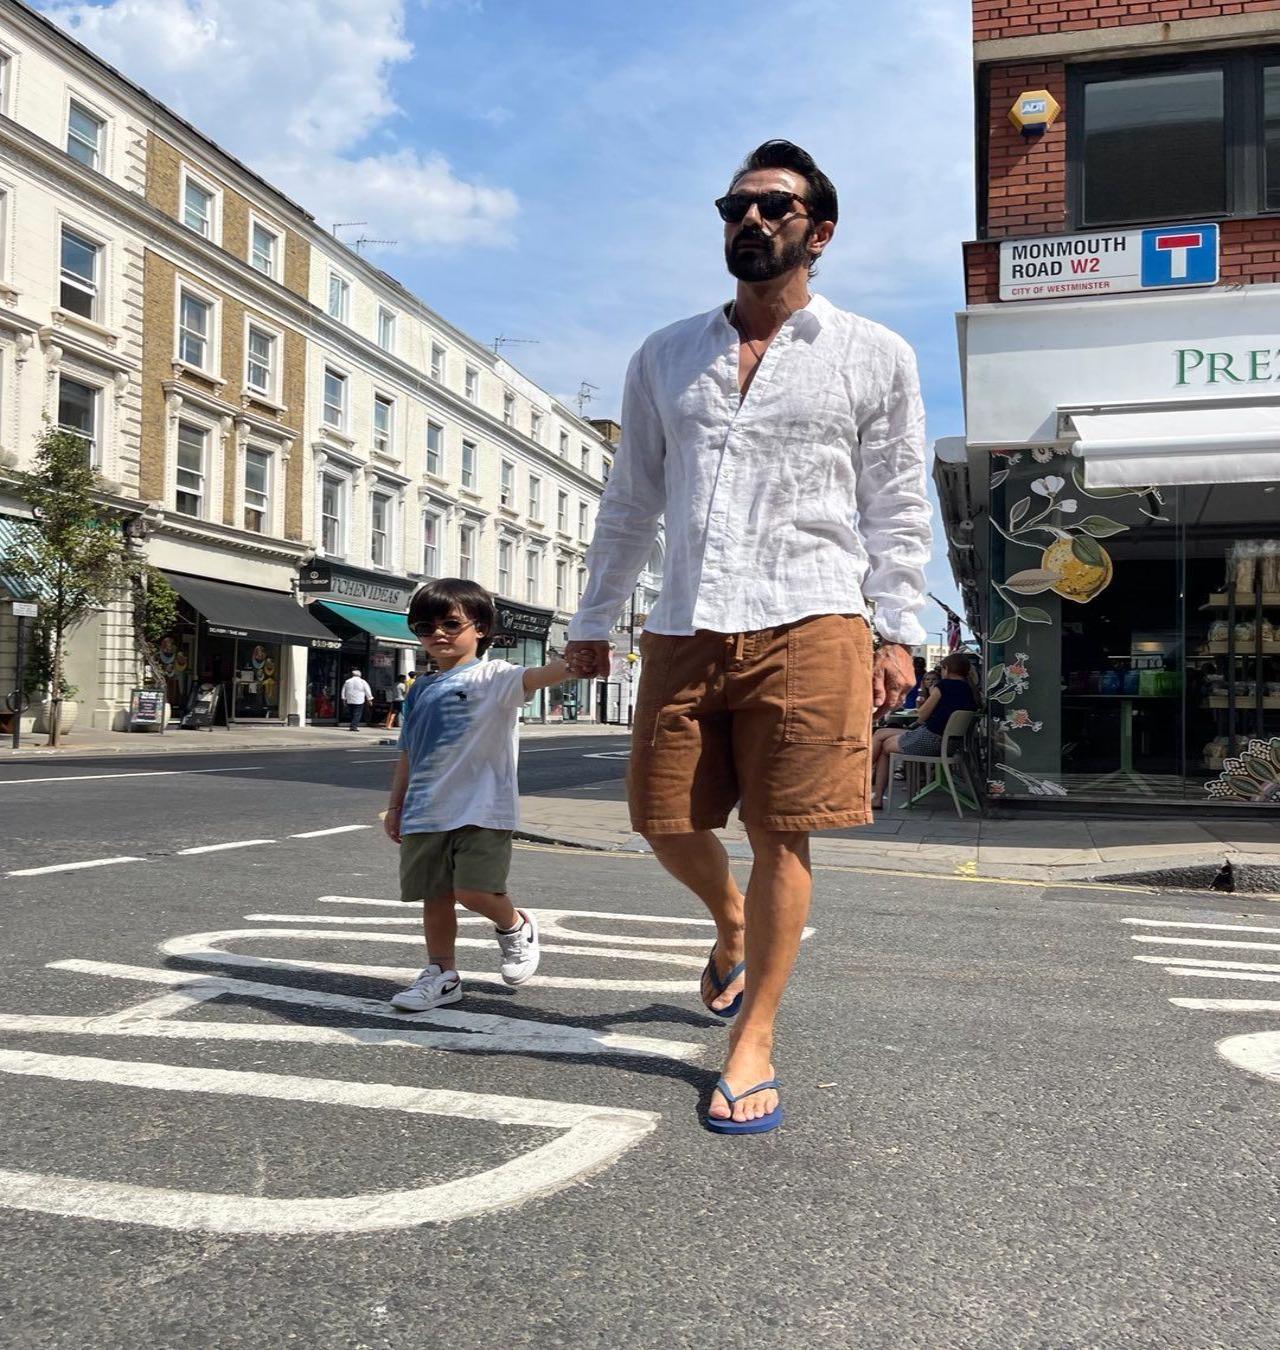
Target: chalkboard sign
202	706
146	710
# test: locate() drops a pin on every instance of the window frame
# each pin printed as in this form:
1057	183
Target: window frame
345	306
1243	113
562	511
584	521
344	380
388	447
562	584
535	496
388	502
99	247
507	484
256	222
205	472
467	534
439	368
505	547
532	575
436	470
471	384
389	316
190	178
96	407
74	102
467	471
536	421
585	456
437	519
564	445
6	79
509	409
271	390
265	508
342	519
213	338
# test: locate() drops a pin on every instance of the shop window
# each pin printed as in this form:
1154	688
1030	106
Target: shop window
469	464
257	490
81	266
190	479
84	135
467	552
333	500
504	567
78	412
383	417
435	449
430	544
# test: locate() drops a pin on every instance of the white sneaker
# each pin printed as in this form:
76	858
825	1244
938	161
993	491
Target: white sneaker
432	989
520	949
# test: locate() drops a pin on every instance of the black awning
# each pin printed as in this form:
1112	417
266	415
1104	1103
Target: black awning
247	612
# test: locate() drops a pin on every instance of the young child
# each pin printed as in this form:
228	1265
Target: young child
454	798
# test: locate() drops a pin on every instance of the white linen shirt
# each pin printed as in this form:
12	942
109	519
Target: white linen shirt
805	497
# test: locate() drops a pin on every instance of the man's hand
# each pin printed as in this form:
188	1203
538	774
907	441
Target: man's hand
893	674
391	823
588	660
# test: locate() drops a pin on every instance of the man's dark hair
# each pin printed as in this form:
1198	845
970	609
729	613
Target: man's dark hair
956	664
778	154
435	601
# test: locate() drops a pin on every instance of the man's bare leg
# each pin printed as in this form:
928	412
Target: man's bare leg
777	905
698	860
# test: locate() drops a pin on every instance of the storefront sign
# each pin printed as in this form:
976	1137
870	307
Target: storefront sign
1200	366
343	584
1103	264
146	709
515	622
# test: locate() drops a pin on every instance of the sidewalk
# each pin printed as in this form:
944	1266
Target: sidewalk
933	840
241	738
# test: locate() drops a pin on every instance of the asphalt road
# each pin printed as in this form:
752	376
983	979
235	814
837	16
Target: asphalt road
1001	1132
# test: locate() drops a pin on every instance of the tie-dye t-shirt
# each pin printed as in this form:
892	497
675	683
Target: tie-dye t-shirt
460	733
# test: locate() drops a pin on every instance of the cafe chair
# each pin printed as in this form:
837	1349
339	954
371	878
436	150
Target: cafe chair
951	760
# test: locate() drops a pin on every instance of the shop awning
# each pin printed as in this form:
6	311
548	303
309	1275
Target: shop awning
18	583
387	626
248	612
1164	447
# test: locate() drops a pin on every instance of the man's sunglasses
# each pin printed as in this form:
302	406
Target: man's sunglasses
772	205
449	627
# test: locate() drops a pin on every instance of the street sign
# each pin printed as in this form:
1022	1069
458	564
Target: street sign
1105	264
25	609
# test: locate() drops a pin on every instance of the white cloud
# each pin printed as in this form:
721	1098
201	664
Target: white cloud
297	88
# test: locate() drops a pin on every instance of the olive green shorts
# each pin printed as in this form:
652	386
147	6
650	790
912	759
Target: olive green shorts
470	858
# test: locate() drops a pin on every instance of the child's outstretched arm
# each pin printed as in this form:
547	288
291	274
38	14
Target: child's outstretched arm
543	677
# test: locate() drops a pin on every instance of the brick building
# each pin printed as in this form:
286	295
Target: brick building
1113	510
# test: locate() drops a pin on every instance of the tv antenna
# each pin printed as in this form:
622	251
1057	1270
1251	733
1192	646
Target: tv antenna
586	392
502	341
365	240
345	225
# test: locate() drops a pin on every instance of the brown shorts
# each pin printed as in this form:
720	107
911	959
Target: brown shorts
777	722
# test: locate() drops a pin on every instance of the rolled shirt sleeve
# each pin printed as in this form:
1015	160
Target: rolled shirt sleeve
627	521
893	508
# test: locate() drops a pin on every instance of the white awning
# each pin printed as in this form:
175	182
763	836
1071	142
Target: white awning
1162	447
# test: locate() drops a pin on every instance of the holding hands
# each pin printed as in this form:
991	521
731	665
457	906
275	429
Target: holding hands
588	660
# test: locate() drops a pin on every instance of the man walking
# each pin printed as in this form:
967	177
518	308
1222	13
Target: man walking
783	439
356	694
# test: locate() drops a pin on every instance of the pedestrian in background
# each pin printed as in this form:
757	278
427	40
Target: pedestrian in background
454	798
398	696
783	440
356	694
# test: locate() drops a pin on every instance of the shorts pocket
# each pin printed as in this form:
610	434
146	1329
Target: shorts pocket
656	650
828	681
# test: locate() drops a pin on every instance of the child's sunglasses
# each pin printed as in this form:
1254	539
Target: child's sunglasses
772	205
449	627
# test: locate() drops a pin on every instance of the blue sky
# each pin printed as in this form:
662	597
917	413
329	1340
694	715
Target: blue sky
548	166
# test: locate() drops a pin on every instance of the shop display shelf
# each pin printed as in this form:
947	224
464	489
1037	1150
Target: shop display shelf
1268	649
1244	600
1245	704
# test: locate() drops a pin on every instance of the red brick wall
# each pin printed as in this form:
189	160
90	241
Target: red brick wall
1025	18
1250	256
1027	174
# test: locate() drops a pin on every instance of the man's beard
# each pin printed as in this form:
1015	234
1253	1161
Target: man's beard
765	263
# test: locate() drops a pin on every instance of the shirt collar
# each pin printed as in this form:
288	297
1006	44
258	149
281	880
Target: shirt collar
808	321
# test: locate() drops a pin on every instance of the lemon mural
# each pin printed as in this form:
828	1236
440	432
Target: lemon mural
1074	564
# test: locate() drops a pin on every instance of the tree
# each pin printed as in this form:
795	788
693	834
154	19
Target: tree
77	551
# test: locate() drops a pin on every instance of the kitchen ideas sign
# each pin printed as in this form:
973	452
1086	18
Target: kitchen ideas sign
1103	264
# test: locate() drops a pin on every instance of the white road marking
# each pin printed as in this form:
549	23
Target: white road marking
143	773
464	1031
1257	1053
1174	963
336	829
1217	927
221	848
72	867
381	759
1249	1005
609	754
592	1138
1206	942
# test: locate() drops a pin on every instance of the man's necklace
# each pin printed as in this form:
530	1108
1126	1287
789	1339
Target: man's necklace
758	353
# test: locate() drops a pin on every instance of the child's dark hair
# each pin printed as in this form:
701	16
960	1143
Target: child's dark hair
436	600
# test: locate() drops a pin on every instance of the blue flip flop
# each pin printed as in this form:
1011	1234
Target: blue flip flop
760	1125
721	985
